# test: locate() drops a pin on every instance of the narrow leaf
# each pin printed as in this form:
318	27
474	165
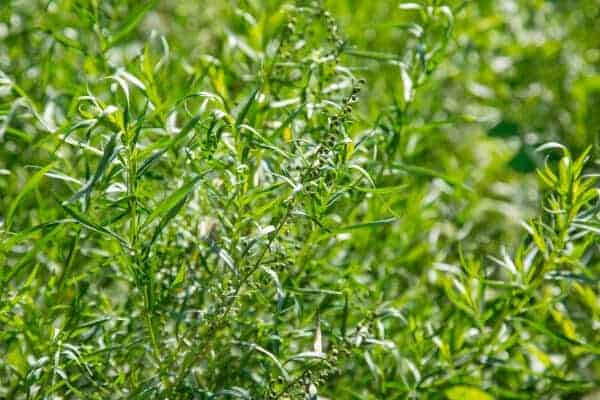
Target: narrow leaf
245	107
170	201
110	152
134	20
29	186
84	221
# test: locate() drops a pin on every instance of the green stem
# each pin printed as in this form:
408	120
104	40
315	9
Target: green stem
149	324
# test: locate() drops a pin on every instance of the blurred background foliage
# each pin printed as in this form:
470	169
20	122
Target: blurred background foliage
525	71
455	99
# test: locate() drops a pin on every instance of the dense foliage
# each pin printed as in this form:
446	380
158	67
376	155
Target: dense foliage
264	199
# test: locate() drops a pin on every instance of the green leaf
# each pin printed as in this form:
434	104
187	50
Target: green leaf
307	355
254	346
110	152
362	225
363	173
29	232
166	218
64	40
467	393
589	227
558	336
170	202
383	190
243	109
184	131
135	17
147	163
29	186
82	220
233	392
373	55
16	359
180	277
410	6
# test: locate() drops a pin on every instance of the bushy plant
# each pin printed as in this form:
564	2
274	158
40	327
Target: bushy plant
265	200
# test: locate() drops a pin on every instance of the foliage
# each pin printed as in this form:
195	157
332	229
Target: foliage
299	200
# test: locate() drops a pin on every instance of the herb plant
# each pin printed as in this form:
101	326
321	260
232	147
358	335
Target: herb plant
298	200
